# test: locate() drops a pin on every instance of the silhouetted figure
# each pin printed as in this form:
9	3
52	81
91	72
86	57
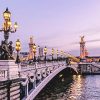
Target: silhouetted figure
10	48
3	49
6	51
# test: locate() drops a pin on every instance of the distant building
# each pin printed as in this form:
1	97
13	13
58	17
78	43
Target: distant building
92	58
31	48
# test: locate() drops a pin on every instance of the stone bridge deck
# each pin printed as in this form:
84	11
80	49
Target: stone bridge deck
34	77
40	75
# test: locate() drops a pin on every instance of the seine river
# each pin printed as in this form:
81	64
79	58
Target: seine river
74	87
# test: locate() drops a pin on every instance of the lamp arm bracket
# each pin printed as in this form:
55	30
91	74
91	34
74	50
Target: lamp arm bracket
12	31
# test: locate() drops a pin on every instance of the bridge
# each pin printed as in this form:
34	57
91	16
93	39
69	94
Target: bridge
29	79
40	75
33	78
25	79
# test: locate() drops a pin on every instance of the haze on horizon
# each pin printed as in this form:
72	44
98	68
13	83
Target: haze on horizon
55	23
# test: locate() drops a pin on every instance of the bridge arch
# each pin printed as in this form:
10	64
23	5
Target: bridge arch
64	68
69	71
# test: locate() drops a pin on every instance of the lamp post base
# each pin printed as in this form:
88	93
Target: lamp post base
9	69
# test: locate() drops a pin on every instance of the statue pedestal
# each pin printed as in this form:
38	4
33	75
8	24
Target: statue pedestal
8	69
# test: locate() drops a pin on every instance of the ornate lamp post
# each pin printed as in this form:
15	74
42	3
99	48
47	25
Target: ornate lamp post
7	28
34	51
18	48
45	52
57	54
52	53
38	53
61	54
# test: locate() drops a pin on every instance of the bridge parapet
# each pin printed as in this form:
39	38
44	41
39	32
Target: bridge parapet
37	73
32	75
89	68
39	66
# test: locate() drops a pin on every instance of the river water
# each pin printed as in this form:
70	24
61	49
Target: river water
74	87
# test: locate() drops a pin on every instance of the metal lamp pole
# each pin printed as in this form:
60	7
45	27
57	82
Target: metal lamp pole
61	55
57	55
18	48
34	51
52	53
34	60
45	52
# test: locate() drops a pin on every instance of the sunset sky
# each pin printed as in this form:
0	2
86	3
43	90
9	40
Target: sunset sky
55	23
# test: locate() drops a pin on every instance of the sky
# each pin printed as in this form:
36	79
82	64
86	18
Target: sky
55	23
